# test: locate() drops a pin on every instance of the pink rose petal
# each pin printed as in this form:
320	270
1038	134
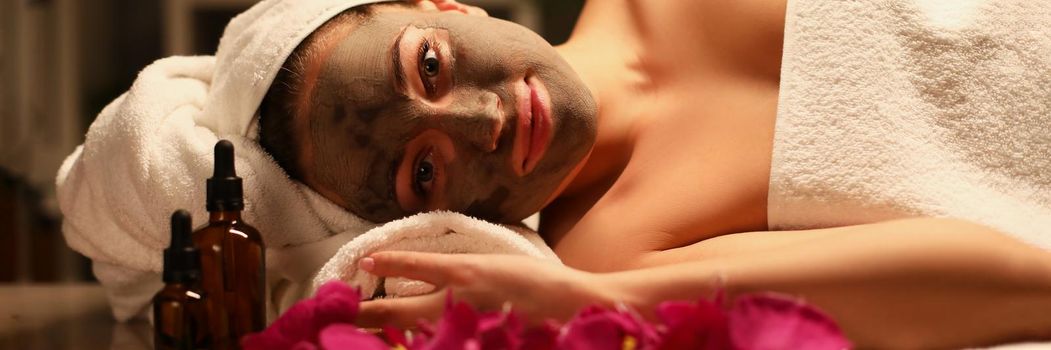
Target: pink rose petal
457	329
347	336
769	321
335	302
395	336
304	345
700	325
598	328
498	330
593	333
542	337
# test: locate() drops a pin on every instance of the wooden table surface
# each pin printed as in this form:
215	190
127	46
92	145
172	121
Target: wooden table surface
64	316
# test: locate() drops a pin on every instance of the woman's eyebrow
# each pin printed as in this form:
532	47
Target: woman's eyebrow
396	67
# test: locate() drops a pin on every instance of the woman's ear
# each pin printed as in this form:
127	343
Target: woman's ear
450	6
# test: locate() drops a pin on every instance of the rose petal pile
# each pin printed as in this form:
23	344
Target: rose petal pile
755	321
325	321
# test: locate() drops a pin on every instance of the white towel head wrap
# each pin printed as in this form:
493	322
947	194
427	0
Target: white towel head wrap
252	50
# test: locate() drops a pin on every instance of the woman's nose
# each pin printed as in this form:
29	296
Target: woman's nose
476	118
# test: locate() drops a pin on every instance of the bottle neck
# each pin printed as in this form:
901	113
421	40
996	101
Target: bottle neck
224	215
182	279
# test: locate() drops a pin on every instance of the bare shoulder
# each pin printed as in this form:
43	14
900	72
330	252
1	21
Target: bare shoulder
658	205
744	33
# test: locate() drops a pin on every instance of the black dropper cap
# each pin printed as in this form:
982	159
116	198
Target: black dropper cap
225	192
182	262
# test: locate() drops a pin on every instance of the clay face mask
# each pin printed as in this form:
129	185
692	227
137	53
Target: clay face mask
417	111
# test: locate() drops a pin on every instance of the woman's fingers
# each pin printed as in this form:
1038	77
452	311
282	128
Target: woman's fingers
433	268
400	312
436	269
450	5
453	5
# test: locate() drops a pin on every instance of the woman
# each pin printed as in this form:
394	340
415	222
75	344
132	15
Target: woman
650	170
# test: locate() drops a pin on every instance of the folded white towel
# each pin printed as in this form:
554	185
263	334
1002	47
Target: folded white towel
907	108
435	232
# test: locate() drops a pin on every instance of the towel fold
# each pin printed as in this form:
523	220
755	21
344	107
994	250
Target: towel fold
900	108
435	232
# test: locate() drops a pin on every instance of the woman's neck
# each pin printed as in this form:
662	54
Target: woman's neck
603	50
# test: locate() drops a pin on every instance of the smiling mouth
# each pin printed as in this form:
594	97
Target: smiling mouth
533	125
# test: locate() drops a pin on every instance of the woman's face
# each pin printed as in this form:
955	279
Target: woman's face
415	111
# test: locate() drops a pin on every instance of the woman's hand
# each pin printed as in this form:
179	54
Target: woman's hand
533	288
451	5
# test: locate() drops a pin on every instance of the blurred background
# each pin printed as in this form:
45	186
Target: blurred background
62	61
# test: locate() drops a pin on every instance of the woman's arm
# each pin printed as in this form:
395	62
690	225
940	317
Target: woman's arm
910	283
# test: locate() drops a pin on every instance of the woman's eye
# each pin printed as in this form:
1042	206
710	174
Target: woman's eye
430	67
430	63
423	175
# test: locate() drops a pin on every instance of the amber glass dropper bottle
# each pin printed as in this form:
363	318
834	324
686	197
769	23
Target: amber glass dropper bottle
232	257
178	309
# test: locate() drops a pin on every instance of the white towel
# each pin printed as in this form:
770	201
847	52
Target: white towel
436	232
144	157
149	152
905	108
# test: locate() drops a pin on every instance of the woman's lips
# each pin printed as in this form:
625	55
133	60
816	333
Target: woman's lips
533	125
